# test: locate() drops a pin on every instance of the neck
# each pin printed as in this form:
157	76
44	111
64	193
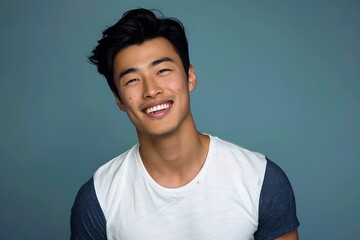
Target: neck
174	159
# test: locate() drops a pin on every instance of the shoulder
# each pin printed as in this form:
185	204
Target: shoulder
111	168
87	218
277	209
222	144
88	214
249	162
275	176
110	178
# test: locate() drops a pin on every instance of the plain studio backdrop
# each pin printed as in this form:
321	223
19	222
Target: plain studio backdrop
277	77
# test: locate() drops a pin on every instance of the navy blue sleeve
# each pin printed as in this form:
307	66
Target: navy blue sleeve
277	210
87	219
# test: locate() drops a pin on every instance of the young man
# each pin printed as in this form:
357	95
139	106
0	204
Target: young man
176	183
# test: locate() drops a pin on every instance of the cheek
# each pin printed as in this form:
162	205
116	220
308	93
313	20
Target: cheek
129	97
177	84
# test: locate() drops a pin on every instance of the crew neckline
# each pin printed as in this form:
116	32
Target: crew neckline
195	181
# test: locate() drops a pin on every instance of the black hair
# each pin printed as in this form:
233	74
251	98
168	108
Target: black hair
135	27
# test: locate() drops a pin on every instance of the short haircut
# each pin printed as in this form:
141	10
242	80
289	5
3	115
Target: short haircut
135	27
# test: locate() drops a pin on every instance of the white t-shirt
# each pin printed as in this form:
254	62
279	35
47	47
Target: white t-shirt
221	202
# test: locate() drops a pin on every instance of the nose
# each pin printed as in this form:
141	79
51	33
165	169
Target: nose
151	88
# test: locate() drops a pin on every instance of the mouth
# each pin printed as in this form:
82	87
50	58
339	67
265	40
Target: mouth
157	108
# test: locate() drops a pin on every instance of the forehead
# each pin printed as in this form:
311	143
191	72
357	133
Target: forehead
142	54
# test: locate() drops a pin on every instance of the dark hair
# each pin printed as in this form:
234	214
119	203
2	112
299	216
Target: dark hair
135	27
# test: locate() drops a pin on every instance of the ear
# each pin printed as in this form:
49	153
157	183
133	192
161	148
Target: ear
119	102
191	78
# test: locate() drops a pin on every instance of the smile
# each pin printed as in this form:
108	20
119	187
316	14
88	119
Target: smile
157	108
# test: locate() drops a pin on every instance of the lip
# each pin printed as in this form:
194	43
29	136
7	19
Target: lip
158	113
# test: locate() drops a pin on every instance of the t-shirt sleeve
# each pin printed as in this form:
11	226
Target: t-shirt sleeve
87	219
277	210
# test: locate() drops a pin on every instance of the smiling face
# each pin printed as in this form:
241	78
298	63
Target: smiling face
153	87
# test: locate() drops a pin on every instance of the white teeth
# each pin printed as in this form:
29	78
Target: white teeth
158	108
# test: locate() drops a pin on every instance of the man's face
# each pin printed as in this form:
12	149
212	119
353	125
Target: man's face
153	87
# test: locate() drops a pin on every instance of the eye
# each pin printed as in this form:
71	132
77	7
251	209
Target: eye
164	70
131	81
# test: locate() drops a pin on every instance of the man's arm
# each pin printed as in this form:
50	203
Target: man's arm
293	235
277	210
87	219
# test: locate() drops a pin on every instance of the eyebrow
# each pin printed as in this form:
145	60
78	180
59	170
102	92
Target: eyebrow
161	60
127	71
152	64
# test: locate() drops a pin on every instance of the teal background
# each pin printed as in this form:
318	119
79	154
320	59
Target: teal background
278	77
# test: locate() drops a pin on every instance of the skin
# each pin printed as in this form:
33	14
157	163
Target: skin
149	74
293	235
171	148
